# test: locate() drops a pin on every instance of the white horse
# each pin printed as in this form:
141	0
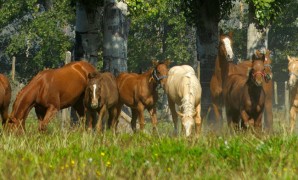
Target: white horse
184	89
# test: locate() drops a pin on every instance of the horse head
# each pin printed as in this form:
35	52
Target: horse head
225	46
293	71
160	71
258	68
268	67
93	89
187	122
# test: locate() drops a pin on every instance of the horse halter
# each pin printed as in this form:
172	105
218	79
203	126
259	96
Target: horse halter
254	74
156	77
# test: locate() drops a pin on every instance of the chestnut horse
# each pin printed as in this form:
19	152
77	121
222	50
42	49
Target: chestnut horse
293	89
50	91
139	92
225	67
244	96
184	89
101	95
5	95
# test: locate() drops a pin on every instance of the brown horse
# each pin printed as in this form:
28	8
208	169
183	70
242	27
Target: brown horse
139	92
293	89
50	91
244	97
5	95
101	95
225	67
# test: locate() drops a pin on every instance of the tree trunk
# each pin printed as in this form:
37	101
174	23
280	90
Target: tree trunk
207	42
257	37
115	37
88	26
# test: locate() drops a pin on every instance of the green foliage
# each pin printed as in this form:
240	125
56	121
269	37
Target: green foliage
266	11
158	30
39	40
212	9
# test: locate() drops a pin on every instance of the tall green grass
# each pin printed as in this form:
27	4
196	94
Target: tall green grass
77	154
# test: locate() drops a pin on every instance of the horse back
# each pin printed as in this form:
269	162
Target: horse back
62	86
110	89
134	88
183	82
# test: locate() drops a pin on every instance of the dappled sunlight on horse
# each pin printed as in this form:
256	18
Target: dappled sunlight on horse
50	91
244	97
184	89
293	90
139	92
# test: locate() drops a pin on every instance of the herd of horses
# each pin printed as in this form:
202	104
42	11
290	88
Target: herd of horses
244	89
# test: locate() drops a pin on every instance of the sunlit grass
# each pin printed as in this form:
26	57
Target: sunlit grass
77	154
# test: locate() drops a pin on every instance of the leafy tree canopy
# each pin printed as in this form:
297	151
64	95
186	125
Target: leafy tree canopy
37	36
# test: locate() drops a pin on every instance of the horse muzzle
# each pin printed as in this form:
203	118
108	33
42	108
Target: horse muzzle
94	105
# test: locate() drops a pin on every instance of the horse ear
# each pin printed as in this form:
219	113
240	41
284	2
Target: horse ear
230	34
289	58
221	32
92	75
154	62
167	62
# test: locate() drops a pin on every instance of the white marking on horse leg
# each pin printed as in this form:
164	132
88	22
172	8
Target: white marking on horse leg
228	46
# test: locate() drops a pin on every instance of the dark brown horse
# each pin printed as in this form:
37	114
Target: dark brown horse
224	67
5	95
244	96
101	96
139	92
50	91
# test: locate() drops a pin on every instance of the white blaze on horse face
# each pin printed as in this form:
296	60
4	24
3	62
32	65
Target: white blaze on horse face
228	47
94	91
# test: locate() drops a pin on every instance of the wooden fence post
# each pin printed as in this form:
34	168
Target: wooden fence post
66	112
275	93
287	104
13	68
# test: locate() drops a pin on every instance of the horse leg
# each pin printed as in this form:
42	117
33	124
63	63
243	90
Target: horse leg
101	114
198	119
133	123
268	115
258	123
293	118
79	109
245	118
174	115
152	112
113	121
51	111
140	110
4	115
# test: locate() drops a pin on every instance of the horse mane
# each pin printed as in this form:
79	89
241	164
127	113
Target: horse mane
193	86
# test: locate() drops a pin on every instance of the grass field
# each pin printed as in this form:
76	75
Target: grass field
76	154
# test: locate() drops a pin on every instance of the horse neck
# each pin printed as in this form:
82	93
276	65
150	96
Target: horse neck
293	92
150	81
253	89
24	102
222	68
188	100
